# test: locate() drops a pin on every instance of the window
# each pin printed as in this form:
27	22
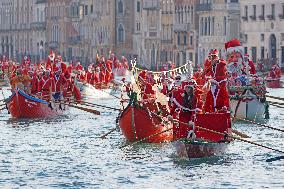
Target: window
253	53
138	26
254	10
273	11
234	1
282	56
246	11
191	40
225	25
262	37
262	10
178	39
120	33
262	53
92	9
184	39
86	9
138	6
120	7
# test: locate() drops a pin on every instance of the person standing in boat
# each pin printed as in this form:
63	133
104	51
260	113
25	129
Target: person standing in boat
46	85
217	98
248	66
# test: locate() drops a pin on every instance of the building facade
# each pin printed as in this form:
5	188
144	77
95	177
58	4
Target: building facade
185	31
262	30
15	34
218	22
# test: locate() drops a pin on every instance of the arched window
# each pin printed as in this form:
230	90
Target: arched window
120	7
184	39
120	33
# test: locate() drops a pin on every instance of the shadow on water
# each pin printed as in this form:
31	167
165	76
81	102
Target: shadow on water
23	123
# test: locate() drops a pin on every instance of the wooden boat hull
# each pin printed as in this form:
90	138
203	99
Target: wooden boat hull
199	149
136	124
22	105
251	109
206	143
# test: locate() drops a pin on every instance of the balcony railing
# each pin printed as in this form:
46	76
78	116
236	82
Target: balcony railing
168	41
245	18
75	40
151	4
271	17
281	16
181	27
38	25
253	17
204	7
261	17
54	44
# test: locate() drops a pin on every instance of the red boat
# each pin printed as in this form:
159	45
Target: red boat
137	123
22	105
206	143
274	83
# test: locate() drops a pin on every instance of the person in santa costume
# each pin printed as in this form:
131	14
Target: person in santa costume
59	81
275	72
108	68
50	60
217	98
200	77
46	85
124	63
34	82
191	103
79	67
248	66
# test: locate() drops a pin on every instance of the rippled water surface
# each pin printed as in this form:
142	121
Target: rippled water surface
66	152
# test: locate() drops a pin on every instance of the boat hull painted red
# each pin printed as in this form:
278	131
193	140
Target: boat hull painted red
274	83
21	105
136	124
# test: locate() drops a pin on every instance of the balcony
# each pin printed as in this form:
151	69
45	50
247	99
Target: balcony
166	41
181	27
253	17
245	18
38	25
271	17
151	5
261	17
75	40
204	7
54	44
281	16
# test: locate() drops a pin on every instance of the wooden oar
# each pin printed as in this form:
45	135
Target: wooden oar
260	124
104	135
84	109
240	134
277	103
275	97
98	105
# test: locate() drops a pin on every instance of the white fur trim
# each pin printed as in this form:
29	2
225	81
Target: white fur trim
236	49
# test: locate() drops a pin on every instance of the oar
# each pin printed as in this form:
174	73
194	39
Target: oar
240	134
278	106
84	109
104	135
261	125
277	103
275	97
240	139
98	105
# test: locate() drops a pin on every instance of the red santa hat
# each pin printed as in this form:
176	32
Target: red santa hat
51	55
215	52
191	83
234	46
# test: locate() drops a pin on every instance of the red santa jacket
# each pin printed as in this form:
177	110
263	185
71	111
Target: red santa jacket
59	81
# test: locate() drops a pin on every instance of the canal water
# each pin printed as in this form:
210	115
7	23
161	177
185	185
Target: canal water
66	152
